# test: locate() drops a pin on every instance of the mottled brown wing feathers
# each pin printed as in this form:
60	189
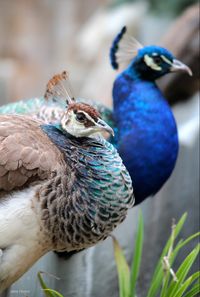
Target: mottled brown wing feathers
26	153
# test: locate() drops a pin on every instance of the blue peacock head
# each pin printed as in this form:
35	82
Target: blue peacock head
147	62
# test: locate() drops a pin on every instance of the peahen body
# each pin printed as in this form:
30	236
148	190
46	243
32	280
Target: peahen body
145	129
61	188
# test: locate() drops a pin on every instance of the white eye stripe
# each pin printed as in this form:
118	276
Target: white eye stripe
71	125
166	60
150	62
88	117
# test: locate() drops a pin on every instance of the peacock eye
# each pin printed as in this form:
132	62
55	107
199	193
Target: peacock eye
80	117
158	60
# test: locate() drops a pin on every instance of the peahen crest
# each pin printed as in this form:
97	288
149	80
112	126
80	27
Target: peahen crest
58	88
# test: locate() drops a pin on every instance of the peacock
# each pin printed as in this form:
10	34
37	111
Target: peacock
145	129
147	138
63	187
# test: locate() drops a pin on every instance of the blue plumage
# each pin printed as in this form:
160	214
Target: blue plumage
141	69
151	49
147	134
147	138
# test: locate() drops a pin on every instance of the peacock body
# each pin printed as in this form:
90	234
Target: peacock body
147	134
147	138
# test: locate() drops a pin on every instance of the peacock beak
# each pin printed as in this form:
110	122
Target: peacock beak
103	126
178	66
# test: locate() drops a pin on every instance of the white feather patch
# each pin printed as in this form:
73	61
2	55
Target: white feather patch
166	60
17	219
128	49
19	236
149	62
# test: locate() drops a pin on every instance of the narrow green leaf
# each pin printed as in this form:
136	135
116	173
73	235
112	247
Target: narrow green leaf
158	274
42	283
54	292
167	276
122	270
44	286
183	288
186	241
180	245
178	228
135	267
188	283
193	291
165	284
195	276
183	271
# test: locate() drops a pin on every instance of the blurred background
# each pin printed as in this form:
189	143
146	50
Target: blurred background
40	38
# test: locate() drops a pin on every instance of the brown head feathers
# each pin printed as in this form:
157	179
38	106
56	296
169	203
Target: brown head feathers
91	111
58	87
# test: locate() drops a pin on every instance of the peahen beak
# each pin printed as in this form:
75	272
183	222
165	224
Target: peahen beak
103	126
178	66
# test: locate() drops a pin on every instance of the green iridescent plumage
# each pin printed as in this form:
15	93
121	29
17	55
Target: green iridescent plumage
51	110
23	106
99	187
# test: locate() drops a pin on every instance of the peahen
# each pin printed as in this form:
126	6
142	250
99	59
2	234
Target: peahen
146	133
62	187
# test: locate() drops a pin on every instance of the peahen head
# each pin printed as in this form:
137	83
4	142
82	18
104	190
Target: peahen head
146	62
79	119
82	120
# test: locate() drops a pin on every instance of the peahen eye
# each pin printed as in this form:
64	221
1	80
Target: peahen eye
158	60
80	117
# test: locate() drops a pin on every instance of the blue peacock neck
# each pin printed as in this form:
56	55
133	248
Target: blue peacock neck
147	133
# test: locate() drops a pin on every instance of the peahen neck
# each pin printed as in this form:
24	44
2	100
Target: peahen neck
147	134
96	190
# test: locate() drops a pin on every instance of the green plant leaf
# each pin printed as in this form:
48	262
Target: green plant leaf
186	284
162	282
122	270
158	274
165	284
183	288
180	245
193	291
44	286
135	266
54	292
178	229
183	271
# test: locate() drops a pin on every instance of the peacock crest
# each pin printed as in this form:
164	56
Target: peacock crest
124	48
